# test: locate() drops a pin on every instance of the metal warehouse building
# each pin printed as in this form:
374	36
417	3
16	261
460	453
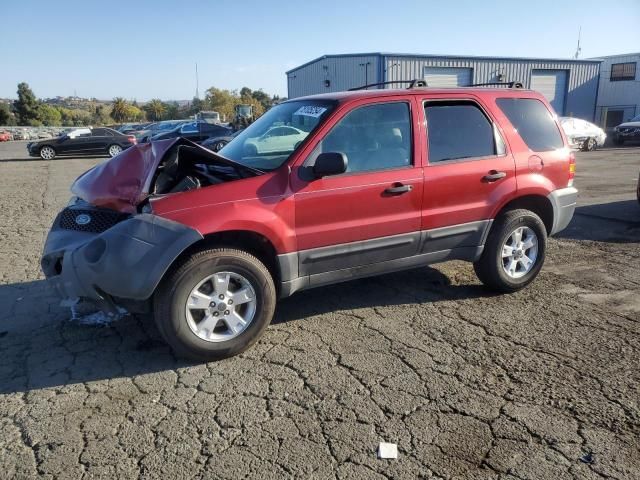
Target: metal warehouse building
619	90
570	85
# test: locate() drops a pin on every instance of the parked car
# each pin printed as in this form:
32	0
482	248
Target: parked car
21	135
149	131
217	143
82	141
627	131
582	135
276	139
5	136
371	184
195	131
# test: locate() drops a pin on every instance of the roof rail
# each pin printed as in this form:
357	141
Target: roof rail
412	84
501	84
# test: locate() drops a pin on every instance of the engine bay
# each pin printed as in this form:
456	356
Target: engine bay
189	166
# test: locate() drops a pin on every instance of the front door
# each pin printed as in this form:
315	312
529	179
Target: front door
469	172
371	213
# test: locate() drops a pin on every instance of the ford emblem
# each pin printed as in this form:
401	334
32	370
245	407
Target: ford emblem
83	219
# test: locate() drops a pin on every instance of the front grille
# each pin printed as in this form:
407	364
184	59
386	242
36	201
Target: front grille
99	220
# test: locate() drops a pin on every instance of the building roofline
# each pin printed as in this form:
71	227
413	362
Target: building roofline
601	57
458	57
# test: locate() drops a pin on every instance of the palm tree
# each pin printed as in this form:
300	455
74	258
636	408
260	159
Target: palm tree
119	109
155	109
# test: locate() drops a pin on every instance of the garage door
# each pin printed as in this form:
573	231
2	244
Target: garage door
448	76
553	85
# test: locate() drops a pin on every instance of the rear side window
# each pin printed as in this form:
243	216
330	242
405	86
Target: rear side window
533	122
459	130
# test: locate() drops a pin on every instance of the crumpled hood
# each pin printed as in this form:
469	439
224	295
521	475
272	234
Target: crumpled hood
124	181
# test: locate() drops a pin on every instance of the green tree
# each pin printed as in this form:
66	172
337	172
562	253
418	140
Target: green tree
171	110
155	110
6	115
26	107
49	115
119	109
133	114
195	107
221	101
100	115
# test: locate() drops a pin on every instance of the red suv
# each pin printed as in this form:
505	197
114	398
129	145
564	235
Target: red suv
319	190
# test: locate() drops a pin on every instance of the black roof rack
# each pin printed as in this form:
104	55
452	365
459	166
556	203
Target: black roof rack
501	84
412	84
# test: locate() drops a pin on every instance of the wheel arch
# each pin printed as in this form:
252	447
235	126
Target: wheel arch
538	204
252	242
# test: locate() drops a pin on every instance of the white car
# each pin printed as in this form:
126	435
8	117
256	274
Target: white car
276	139
582	134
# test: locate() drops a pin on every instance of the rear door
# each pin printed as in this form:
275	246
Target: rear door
469	171
371	213
99	140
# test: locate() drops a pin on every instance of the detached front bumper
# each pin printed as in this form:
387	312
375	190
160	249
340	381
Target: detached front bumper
127	260
563	202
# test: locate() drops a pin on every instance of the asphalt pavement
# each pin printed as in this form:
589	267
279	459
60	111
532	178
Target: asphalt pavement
540	384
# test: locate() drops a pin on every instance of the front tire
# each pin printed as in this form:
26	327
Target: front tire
47	153
214	305
589	145
514	252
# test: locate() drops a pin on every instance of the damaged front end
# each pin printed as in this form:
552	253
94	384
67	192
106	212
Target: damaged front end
106	246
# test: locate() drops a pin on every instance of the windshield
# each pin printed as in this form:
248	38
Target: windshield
269	141
635	119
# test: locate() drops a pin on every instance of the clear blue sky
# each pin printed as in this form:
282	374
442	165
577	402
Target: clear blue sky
145	49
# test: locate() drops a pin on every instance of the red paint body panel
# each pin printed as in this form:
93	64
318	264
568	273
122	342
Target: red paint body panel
294	214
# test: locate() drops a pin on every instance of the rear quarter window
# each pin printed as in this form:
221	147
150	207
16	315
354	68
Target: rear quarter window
533	122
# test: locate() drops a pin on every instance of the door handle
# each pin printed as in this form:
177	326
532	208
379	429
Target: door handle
494	175
398	189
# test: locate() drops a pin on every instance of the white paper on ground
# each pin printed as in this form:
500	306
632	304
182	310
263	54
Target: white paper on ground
387	450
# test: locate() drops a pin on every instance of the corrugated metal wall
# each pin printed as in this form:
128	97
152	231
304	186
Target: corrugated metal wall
343	72
347	71
621	95
582	85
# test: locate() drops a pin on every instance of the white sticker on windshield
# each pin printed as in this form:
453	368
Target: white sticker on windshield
311	111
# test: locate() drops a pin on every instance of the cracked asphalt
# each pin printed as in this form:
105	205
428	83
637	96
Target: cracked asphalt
541	384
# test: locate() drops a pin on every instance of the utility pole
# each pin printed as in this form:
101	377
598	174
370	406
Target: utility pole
197	83
578	49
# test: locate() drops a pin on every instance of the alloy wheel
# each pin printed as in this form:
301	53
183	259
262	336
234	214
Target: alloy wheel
47	153
114	150
221	306
519	252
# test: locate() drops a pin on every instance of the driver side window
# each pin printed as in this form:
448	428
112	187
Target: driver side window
373	137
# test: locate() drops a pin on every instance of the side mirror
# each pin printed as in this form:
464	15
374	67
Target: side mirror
330	163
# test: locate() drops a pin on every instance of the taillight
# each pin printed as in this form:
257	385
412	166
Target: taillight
132	139
572	168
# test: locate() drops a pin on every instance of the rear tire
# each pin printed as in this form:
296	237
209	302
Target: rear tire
493	268
178	320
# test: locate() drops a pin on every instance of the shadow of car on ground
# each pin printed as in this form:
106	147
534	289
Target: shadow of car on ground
43	348
613	222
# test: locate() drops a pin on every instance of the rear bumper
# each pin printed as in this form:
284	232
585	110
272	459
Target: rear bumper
563	202
126	261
